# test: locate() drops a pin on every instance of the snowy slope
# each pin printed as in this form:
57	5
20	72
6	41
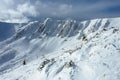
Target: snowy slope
8	29
63	50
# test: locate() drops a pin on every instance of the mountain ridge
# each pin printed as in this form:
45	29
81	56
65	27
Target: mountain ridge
63	50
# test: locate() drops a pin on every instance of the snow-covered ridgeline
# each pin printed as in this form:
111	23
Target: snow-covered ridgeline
63	50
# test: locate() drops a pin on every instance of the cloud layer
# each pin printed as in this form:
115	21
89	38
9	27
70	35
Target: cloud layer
23	10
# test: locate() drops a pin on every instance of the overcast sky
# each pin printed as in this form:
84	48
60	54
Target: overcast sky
24	10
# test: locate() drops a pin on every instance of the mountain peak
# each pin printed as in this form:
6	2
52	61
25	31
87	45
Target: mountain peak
63	50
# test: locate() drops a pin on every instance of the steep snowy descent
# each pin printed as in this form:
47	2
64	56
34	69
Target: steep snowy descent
63	50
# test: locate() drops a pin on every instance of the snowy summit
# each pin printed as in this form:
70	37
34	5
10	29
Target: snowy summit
62	50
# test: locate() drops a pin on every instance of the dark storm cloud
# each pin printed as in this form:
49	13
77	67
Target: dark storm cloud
23	10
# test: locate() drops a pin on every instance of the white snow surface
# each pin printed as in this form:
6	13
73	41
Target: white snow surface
63	50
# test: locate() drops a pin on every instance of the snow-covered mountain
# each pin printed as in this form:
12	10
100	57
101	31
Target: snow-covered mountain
62	50
8	29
